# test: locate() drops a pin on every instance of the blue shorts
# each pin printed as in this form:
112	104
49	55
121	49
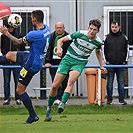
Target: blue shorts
25	75
21	57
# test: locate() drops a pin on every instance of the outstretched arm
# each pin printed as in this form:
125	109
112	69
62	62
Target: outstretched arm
15	40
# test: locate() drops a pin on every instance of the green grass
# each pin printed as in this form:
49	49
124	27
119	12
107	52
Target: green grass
73	109
75	119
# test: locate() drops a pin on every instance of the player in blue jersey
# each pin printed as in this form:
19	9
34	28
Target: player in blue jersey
31	61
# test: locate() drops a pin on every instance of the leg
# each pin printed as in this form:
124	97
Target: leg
64	84
27	103
7	77
55	85
110	80
52	74
120	80
16	76
21	87
10	56
61	91
53	92
73	76
62	88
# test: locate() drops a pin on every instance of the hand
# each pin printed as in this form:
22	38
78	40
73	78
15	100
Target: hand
125	62
107	63
104	69
3	30
59	52
48	65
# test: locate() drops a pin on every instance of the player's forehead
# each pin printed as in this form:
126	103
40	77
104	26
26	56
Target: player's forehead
93	27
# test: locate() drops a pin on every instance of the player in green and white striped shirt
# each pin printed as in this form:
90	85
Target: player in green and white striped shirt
84	42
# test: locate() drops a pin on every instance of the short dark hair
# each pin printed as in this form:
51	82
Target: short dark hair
115	22
5	22
95	22
38	14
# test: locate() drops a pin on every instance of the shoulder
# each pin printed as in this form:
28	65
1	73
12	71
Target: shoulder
52	34
46	26
125	36
66	33
85	32
78	34
31	34
39	33
107	35
99	39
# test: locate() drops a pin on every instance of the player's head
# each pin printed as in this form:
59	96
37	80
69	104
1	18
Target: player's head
94	26
37	17
95	22
38	14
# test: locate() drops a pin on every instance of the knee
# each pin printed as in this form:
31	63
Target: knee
55	86
8	55
19	91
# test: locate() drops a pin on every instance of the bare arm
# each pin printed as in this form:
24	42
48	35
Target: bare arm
99	57
15	40
59	44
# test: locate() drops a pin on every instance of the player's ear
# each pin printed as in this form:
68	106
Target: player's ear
34	19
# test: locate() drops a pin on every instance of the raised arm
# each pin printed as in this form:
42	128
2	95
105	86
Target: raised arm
15	40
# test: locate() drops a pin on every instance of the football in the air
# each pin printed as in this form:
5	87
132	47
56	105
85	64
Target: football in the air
15	20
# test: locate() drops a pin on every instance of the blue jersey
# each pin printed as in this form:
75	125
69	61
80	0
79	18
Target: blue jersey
39	40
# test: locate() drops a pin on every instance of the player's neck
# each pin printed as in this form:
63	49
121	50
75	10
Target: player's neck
40	26
92	38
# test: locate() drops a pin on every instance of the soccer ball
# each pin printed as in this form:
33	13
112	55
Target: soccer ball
15	20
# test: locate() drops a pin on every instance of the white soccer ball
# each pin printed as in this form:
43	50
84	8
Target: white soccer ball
15	20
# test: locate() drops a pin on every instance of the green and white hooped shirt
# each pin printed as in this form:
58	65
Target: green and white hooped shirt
82	46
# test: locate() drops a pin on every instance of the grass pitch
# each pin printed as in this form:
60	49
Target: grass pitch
75	119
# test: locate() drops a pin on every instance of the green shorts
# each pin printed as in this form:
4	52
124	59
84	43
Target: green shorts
68	64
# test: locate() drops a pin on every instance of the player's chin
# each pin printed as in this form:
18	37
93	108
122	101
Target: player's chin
92	36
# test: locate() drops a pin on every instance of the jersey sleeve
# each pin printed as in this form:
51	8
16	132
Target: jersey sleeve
30	36
99	43
33	36
74	35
